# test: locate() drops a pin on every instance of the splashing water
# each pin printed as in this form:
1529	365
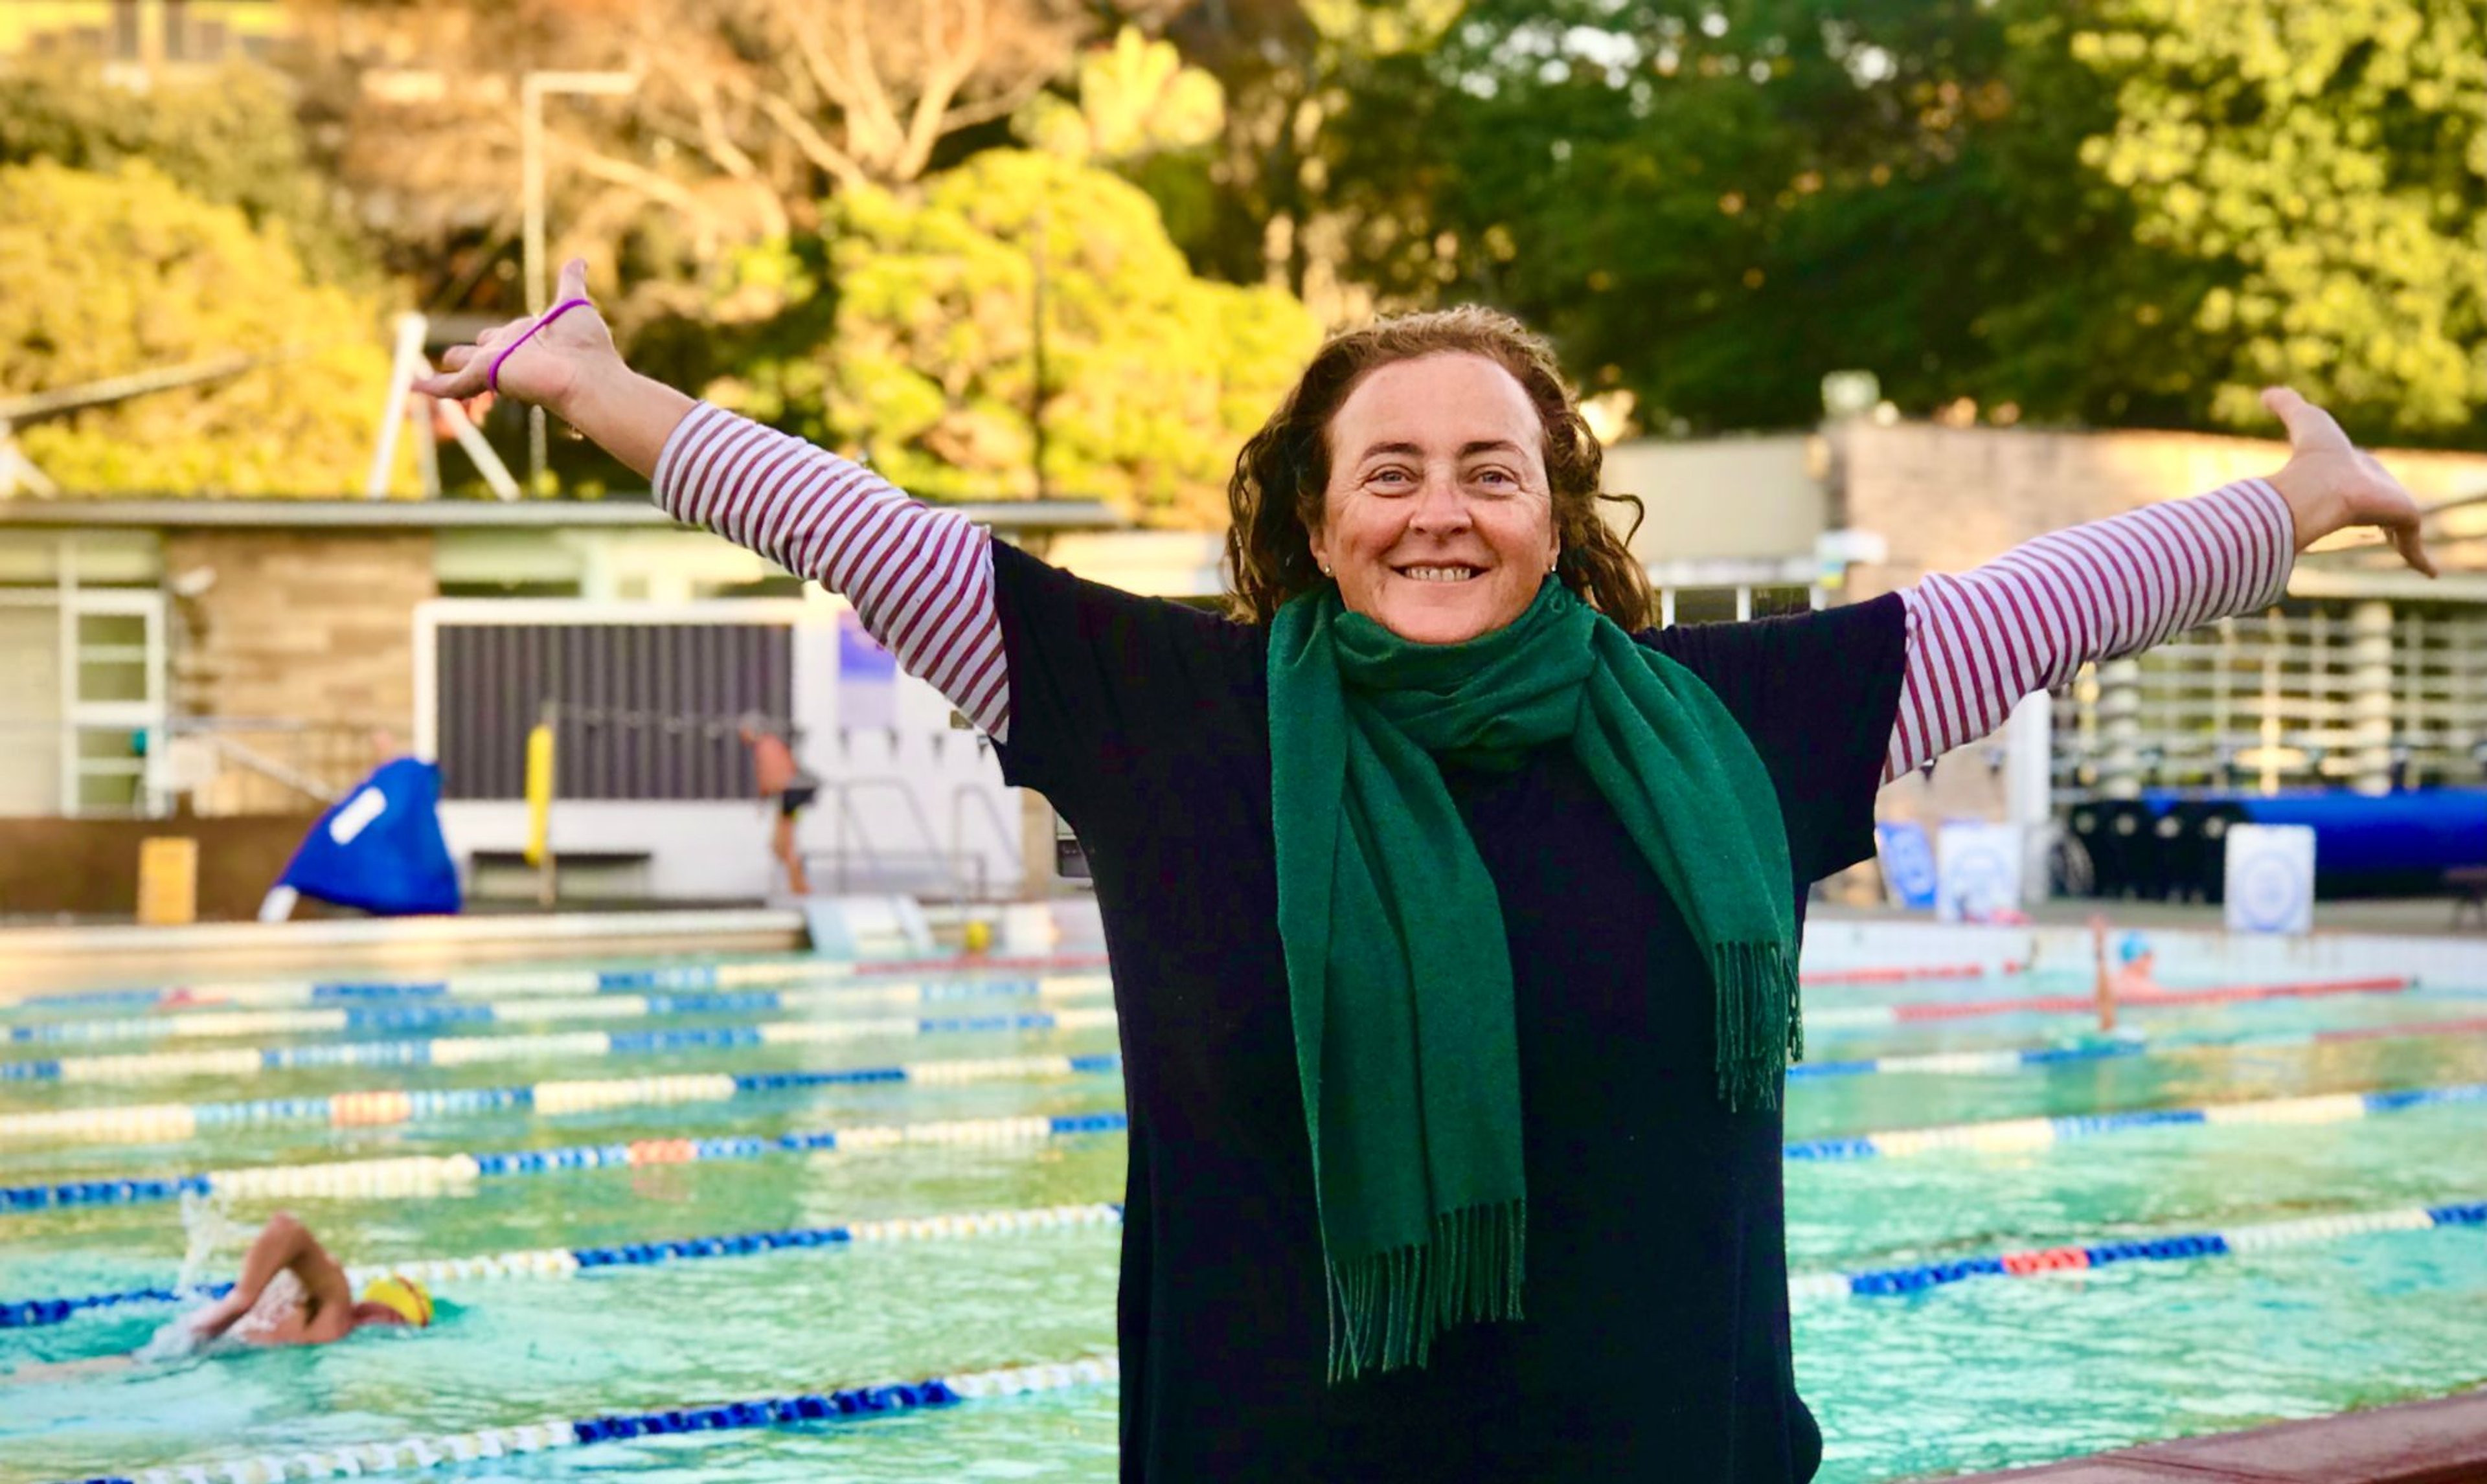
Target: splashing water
206	1228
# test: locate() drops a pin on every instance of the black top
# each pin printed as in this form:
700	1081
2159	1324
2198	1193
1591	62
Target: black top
1656	1343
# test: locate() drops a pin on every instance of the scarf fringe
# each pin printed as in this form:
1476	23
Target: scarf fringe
1761	1026
1386	1310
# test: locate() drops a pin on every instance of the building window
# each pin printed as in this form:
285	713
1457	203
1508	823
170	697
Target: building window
1705	605
123	45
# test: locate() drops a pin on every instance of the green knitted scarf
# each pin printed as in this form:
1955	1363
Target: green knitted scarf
1398	968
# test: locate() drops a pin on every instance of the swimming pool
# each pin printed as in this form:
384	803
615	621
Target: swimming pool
630	1118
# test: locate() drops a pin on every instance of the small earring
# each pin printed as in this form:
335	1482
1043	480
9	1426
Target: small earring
1324	572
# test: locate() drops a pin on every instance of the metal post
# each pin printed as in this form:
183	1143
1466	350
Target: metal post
404	361
1036	397
2370	697
2119	709
532	88
531	167
546	885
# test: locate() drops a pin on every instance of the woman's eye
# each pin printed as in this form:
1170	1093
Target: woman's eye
1500	478
1392	476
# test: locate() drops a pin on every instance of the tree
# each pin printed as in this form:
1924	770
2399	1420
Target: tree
232	140
748	116
1711	206
1152	378
116	273
2336	154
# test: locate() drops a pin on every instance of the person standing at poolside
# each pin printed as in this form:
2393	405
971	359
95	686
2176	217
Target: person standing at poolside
782	782
1454	911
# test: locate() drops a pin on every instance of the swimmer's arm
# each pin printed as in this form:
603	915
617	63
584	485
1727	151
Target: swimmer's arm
283	1243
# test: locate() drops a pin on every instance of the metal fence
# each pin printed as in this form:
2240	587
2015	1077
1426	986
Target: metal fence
2308	693
645	711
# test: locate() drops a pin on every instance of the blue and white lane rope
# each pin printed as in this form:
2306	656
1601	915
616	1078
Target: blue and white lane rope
562	1262
430	1452
492	983
566	1045
2229	1242
429	1174
2022	1058
432	1174
2037	1133
210	1024
387	1106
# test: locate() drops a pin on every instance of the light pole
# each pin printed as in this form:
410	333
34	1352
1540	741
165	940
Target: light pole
532	88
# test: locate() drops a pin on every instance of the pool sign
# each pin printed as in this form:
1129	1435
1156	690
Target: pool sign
2271	878
1978	871
1907	863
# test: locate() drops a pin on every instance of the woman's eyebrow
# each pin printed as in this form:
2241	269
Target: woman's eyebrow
1466	450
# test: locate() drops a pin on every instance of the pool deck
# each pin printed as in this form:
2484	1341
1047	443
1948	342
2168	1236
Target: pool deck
2440	1442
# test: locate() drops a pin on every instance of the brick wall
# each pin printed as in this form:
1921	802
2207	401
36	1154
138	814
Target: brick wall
304	626
1948	499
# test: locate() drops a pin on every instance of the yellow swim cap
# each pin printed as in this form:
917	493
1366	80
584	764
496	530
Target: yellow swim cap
401	1296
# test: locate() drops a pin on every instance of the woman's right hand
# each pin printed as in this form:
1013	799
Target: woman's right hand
552	370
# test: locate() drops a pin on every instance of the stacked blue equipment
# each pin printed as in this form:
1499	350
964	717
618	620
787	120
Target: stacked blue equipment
2365	844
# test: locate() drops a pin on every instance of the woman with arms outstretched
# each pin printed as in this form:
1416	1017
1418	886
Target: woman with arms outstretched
1453	911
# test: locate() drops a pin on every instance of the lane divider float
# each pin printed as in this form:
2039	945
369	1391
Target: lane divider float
210	1024
1861	1017
561	1262
147	1123
492	982
423	1175
475	1050
2022	1058
2038	1133
852	1403
1917	1277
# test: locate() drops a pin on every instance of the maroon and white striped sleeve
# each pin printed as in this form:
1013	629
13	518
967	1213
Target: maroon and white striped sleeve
2027	620
920	577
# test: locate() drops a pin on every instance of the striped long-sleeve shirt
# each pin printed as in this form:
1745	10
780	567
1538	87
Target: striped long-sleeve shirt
921	579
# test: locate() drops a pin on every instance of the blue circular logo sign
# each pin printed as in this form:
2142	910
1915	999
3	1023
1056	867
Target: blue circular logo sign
2268	892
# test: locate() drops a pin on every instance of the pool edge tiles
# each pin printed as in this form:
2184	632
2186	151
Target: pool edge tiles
2434	1441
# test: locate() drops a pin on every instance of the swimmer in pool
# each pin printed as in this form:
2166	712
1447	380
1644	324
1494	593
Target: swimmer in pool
290	1292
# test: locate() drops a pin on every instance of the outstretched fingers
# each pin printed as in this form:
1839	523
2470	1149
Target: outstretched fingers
2309	427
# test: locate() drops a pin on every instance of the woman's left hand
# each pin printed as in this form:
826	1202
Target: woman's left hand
2330	484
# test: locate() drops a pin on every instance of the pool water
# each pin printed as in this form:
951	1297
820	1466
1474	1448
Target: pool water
1978	1374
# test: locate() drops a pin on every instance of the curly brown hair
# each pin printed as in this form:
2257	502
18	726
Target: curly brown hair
1283	472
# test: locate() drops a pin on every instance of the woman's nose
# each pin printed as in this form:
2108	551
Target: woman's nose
1440	506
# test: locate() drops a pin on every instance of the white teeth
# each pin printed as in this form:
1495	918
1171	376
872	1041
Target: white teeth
1439	573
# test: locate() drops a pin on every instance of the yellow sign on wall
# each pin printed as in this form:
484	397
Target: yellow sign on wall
168	881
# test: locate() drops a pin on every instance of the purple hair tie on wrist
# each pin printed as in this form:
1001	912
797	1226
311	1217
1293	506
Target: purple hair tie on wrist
493	372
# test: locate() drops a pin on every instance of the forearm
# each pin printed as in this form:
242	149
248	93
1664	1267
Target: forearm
2028	621
279	1245
921	578
626	415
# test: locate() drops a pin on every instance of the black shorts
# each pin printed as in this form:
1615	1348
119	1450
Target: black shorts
794	798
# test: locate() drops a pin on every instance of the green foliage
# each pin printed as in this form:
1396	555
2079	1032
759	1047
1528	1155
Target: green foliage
2337	153
1152	377
233	141
1135	99
1714	205
111	274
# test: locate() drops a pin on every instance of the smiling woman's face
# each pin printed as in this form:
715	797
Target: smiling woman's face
1437	522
